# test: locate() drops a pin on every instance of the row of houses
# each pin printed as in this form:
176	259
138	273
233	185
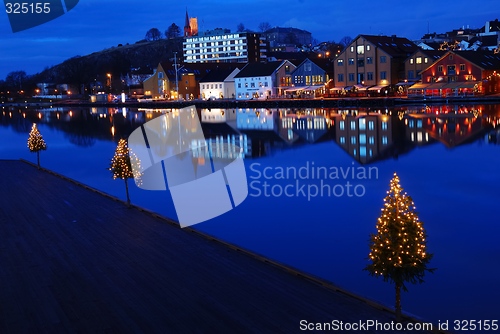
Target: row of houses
369	66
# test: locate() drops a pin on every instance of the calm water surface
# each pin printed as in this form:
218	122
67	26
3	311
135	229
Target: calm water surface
447	158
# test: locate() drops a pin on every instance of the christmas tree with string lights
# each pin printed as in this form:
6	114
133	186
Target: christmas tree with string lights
398	250
36	143
121	165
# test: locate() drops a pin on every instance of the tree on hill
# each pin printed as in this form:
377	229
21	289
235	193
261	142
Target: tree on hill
153	34
264	26
173	31
345	41
240	27
398	249
36	143
16	79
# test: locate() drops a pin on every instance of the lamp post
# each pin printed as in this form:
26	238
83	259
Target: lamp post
176	78
109	77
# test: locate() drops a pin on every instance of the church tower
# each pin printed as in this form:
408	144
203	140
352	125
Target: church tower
187	26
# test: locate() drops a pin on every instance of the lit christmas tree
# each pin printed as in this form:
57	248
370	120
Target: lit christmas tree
36	143
398	249
121	165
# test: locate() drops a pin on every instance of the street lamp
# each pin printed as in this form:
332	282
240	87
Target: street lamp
176	78
109	77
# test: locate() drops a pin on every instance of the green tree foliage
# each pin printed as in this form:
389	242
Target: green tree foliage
173	31
398	249
153	34
36	143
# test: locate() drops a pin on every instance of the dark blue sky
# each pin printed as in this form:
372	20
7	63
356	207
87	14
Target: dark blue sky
95	25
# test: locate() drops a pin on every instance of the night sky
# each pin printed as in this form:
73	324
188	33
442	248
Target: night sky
96	25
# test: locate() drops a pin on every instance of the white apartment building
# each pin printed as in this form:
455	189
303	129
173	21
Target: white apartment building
222	46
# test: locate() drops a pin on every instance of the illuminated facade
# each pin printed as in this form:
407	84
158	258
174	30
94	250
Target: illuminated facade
461	73
220	45
218	84
420	60
372	63
158	85
263	80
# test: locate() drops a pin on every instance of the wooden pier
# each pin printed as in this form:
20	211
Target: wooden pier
73	260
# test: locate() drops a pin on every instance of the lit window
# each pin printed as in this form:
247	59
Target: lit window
426	60
353	125
340	62
384	140
353	140
362	124
411	60
342	125
368	47
419	60
362	151
371	125
384	125
362	139
352	48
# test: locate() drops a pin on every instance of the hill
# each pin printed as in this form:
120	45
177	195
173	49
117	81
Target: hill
82	71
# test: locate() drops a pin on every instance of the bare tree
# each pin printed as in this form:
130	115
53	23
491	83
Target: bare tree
264	26
153	34
173	31
240	27
345	41
16	79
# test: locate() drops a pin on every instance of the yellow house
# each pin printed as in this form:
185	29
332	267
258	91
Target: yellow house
158	86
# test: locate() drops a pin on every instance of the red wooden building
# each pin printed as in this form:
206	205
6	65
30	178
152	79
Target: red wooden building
460	73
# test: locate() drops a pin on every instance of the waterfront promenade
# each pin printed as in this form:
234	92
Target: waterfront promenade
338	102
75	260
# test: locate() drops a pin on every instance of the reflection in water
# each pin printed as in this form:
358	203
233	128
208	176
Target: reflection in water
367	135
451	202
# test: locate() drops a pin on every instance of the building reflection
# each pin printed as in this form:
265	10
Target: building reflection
367	135
370	135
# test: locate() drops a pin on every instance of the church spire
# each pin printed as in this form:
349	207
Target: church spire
187	27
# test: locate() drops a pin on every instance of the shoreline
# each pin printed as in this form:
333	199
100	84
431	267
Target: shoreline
362	102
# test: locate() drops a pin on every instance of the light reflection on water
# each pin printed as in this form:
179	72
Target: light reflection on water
446	156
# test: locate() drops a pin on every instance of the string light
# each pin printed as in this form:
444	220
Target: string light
121	165
36	142
398	249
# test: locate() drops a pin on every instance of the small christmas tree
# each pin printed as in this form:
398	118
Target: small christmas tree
36	143
398	249
121	165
